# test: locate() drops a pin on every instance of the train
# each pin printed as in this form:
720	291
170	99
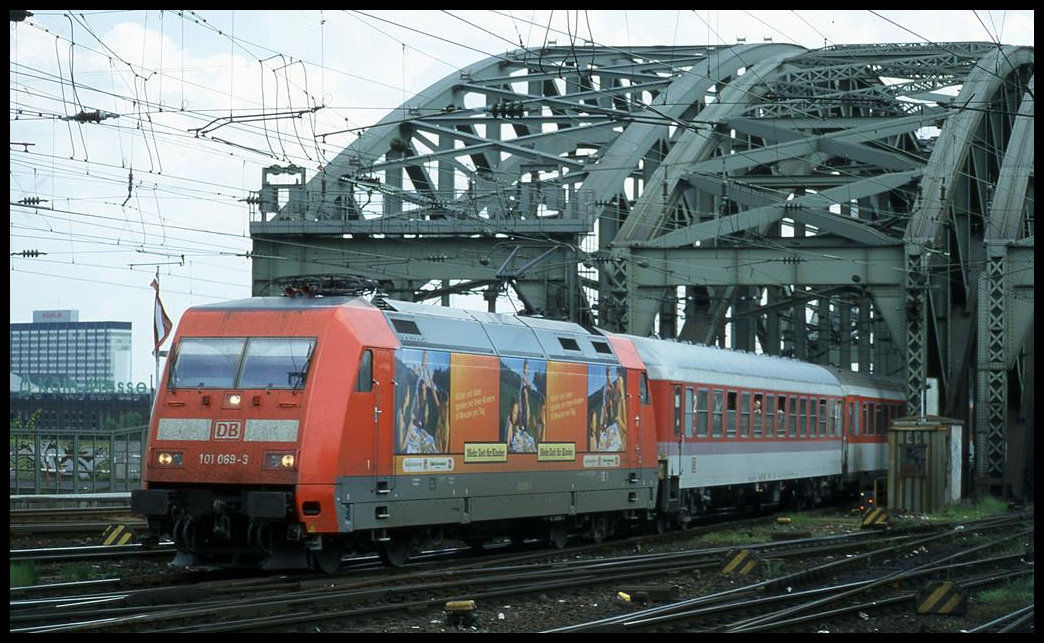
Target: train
292	431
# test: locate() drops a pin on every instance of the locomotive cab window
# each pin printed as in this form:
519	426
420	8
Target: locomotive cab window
278	362
209	362
643	388
236	362
364	379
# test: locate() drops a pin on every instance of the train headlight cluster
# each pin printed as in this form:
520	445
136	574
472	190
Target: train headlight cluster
233	400
169	458
280	461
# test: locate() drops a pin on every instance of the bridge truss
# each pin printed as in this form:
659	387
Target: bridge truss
865	206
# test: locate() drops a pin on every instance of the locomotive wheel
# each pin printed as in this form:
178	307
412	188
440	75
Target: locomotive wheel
327	559
558	535
396	551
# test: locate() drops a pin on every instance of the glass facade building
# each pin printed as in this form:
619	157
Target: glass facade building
57	353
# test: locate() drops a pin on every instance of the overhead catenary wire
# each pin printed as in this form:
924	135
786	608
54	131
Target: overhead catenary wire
238	39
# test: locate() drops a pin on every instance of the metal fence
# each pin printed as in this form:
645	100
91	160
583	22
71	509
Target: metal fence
51	461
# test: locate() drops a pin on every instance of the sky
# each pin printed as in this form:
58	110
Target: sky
153	175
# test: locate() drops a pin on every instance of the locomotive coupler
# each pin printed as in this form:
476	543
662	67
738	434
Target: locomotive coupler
222	522
295	532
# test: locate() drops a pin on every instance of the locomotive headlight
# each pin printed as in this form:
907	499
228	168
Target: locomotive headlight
232	400
168	459
280	461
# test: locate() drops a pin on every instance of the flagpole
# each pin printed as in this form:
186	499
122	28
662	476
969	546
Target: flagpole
161	327
155	351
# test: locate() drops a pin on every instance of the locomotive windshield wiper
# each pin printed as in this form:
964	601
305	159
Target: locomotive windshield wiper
300	375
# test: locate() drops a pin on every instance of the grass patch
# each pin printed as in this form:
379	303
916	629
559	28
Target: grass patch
1009	596
77	572
986	506
23	574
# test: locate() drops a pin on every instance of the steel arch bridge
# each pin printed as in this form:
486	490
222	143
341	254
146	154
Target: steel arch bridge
866	206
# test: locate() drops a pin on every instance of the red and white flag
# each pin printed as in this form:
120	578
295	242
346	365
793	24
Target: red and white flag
161	324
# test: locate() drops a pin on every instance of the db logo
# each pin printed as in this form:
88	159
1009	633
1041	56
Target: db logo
228	430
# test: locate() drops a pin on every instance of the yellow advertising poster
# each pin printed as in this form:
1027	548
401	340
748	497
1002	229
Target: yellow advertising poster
567	402
475	400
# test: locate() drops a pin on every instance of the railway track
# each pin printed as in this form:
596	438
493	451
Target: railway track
365	598
797	599
71	521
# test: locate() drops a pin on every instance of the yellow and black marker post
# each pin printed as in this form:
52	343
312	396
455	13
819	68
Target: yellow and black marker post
117	535
740	562
875	517
941	597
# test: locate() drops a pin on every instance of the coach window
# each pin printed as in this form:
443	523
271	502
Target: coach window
802	417
688	412
701	413
853	419
745	414
770	415
792	422
730	415
719	401
677	410
758	415
812	416
832	418
364	382
868	428
881	423
822	418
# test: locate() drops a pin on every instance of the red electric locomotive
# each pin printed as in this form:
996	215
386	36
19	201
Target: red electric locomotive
290	431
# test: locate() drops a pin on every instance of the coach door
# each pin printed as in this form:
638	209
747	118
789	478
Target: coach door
680	412
382	415
644	423
366	416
